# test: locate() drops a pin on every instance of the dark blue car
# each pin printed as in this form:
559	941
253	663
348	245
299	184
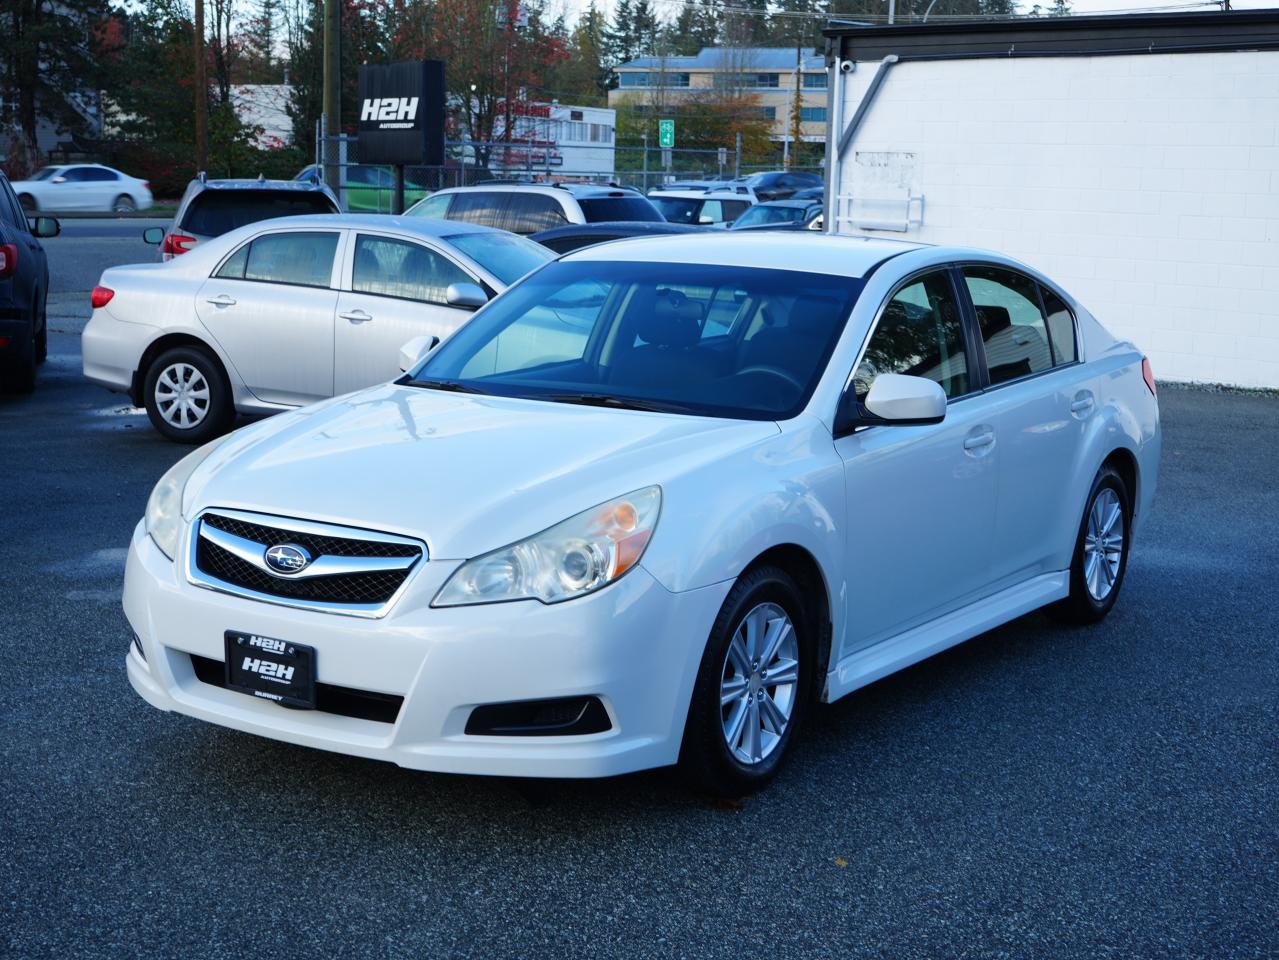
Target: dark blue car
24	290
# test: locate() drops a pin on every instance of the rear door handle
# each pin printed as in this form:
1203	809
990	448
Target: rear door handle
356	316
222	300
979	440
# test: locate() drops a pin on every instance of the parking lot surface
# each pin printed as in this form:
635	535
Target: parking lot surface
1039	791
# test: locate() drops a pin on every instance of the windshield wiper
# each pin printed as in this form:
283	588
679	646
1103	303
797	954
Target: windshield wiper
619	403
452	386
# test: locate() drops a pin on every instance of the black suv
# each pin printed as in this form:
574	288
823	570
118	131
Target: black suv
780	185
210	208
24	290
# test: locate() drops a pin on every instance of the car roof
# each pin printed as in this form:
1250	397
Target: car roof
615	227
700	194
792	202
553	189
298	186
801	252
422	226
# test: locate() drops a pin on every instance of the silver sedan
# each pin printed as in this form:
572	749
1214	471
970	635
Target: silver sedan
285	312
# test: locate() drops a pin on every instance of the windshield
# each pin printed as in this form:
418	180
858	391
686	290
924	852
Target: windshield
504	255
759	215
679	209
707	340
609	209
215	212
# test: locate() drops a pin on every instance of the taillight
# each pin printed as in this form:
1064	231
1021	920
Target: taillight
8	260
146	184
101	296
1148	375
176	243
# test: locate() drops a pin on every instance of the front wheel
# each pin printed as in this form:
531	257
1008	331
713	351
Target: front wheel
124	204
1101	552
752	688
187	396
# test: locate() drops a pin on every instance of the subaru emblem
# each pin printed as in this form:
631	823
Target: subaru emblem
287	558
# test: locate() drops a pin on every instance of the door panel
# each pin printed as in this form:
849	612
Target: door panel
271	309
397	293
921	499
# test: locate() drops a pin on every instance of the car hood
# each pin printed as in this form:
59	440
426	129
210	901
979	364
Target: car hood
465	473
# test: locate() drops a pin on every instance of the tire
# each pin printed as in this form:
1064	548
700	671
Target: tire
731	663
123	204
187	396
28	203
42	338
1100	559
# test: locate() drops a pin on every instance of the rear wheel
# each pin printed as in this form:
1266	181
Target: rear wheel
752	688
187	396
124	204
20	376
1101	552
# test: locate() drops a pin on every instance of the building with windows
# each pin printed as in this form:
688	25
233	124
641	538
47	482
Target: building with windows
767	73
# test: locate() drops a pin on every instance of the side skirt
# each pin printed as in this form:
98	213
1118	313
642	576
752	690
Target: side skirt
888	656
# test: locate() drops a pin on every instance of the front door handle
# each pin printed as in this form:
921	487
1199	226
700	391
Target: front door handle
979	439
356	316
222	300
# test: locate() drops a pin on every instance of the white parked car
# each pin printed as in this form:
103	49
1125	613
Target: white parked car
87	187
284	312
741	478
717	208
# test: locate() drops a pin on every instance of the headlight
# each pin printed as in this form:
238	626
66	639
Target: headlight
570	559
164	508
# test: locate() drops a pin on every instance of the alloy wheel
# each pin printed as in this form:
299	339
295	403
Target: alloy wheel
759	683
1103	544
123	205
182	396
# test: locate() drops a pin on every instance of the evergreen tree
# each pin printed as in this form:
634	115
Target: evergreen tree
619	38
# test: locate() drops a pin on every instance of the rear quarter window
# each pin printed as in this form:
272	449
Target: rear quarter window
608	209
215	212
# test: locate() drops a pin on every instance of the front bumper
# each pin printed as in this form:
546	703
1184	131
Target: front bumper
634	645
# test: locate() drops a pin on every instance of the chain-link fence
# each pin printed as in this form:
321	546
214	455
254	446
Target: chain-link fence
370	188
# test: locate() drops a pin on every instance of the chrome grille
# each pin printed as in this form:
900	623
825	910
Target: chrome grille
355	572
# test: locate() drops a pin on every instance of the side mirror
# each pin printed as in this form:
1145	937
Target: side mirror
45	227
153	235
894	400
468	296
58	180
415	351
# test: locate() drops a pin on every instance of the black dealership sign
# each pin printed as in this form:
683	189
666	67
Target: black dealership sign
402	113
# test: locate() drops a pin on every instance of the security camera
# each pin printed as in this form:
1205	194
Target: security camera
847	66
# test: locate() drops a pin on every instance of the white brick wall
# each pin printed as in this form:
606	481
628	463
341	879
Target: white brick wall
1148	186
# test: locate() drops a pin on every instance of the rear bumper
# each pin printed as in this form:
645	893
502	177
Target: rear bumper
112	348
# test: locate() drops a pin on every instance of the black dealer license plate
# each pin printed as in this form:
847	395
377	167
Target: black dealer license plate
272	669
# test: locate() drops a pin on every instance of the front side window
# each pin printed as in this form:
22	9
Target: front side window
76	175
919	334
433	208
1011	323
301	259
712	212
398	268
100	174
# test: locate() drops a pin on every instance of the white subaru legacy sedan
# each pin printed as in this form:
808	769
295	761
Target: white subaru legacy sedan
284	312
648	507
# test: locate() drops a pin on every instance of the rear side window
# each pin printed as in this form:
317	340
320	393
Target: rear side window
215	212
1011	322
919	334
530	212
301	259
1061	327
397	268
625	207
735	208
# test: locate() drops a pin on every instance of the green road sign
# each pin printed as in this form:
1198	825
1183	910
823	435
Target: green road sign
666	134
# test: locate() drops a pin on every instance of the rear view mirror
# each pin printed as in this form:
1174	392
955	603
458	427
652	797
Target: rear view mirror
415	351
45	227
894	400
468	296
153	235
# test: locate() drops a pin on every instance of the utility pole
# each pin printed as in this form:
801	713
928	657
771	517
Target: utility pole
892	10
201	94
332	91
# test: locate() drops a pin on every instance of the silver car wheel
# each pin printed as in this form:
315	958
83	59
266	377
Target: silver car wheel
182	396
759	683
1103	544
124	204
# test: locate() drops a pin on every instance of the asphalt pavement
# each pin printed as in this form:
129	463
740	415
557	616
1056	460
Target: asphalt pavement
1039	791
